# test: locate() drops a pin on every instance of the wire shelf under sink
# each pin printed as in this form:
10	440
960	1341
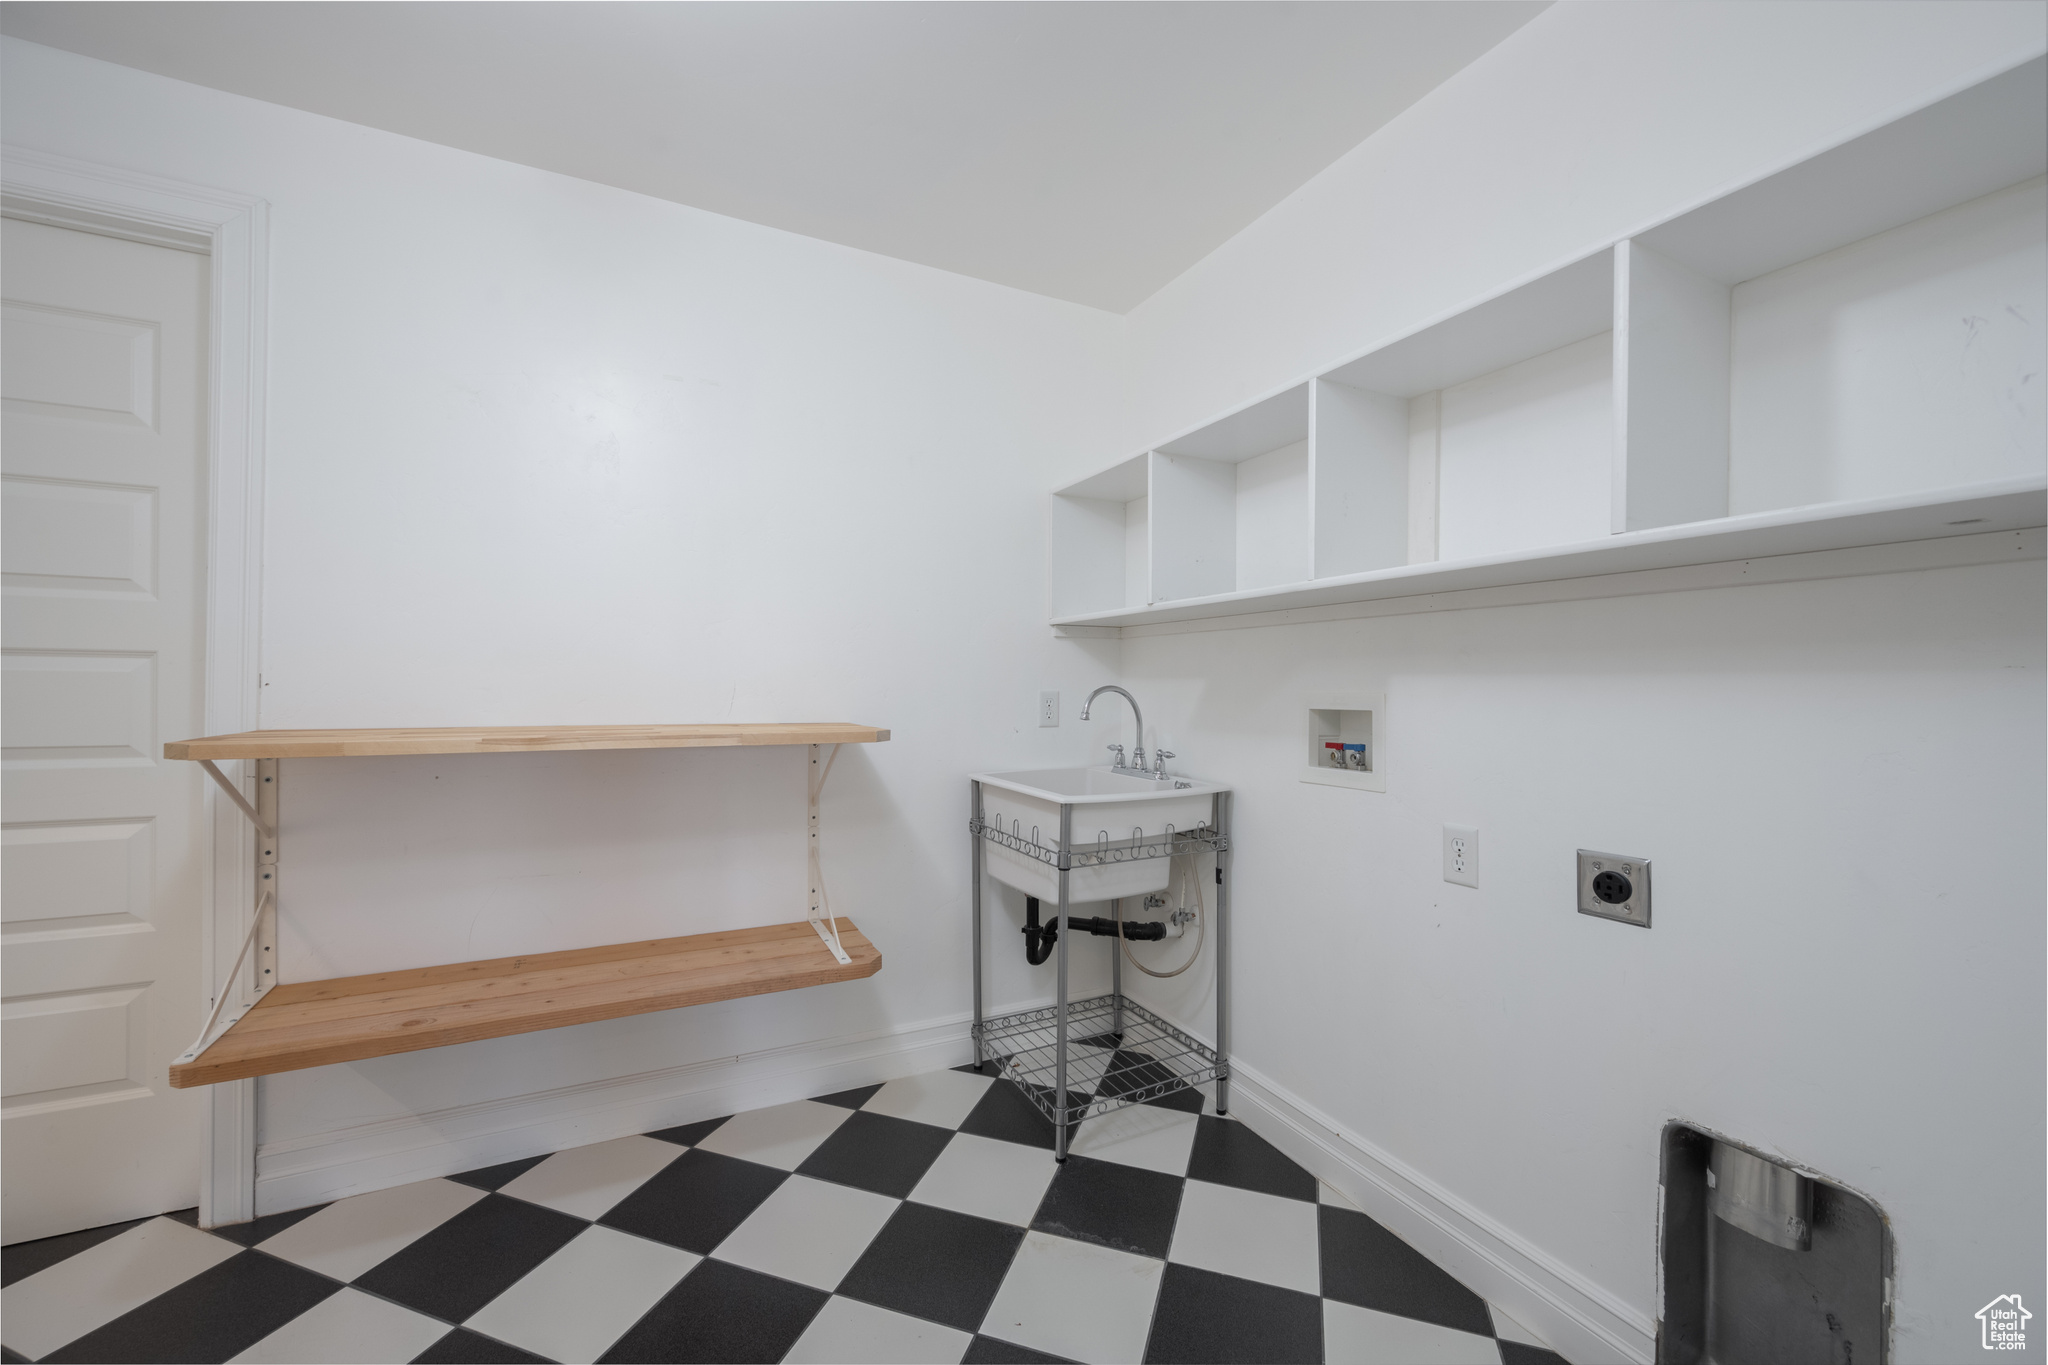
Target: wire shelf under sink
1105	1071
1102	852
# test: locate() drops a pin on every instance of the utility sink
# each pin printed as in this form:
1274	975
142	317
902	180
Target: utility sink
1112	809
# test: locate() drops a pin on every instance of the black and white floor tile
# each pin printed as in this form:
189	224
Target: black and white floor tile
922	1220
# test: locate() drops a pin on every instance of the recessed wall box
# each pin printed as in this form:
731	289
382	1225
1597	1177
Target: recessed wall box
1344	740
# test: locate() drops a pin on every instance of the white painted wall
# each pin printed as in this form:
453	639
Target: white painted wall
1807	764
543	451
1599	118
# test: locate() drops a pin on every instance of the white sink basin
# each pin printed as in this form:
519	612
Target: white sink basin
1111	810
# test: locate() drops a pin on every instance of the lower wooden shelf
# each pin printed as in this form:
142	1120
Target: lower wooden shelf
317	1023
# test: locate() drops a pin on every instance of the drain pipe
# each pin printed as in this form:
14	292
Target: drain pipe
1039	940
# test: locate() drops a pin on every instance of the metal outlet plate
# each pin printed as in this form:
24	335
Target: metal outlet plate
1614	886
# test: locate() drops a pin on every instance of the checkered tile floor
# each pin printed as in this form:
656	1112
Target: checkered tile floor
922	1220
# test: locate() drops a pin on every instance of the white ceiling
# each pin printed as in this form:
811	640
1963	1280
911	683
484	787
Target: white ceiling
1090	151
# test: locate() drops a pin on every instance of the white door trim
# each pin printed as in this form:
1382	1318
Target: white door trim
234	230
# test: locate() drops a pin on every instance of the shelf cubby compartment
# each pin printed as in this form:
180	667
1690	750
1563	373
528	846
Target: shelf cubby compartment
1099	542
1865	324
1230	502
1507	409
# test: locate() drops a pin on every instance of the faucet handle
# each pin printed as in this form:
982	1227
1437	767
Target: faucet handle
1161	755
1118	750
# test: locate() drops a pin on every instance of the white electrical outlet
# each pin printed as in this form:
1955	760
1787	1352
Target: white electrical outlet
1048	709
1461	855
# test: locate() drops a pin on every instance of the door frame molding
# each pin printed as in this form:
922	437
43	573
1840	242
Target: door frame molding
233	229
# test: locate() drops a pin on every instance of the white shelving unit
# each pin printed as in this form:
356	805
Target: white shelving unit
1850	352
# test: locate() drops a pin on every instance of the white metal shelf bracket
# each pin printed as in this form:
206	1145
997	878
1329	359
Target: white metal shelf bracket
235	794
228	991
822	918
261	940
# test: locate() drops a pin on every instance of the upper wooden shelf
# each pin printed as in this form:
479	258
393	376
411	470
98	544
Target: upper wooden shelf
348	1019
512	739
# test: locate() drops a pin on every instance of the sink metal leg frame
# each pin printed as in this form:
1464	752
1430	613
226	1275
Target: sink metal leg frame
974	883
1116	971
1020	1042
1059	1099
1219	806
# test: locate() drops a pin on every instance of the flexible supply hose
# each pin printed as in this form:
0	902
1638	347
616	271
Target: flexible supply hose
1188	870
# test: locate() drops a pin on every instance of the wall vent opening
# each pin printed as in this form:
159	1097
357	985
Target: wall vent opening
1765	1262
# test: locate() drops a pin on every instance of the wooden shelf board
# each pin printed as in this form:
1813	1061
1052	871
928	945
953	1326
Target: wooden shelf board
512	739
2007	505
348	1019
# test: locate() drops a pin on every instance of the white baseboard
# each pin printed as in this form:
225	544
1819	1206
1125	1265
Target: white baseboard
295	1173
1581	1321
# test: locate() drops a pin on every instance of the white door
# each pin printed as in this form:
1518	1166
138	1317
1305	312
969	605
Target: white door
102	461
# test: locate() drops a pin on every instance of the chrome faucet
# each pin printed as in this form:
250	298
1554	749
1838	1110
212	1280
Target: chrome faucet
1138	749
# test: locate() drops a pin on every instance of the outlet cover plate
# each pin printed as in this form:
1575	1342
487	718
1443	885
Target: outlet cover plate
1048	710
1633	910
1461	855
